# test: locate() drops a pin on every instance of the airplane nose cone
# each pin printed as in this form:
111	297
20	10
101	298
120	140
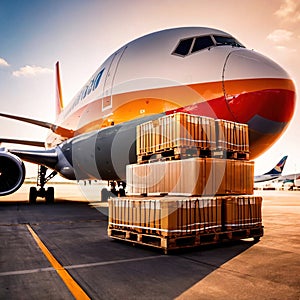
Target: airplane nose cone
254	81
260	93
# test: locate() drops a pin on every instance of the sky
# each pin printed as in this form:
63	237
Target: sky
34	34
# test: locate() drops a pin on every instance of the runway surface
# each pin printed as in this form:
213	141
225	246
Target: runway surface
82	261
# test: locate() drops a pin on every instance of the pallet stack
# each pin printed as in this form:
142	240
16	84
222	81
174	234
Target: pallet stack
171	223
163	216
193	184
178	135
191	177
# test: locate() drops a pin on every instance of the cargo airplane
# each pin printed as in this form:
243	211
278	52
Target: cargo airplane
196	70
272	174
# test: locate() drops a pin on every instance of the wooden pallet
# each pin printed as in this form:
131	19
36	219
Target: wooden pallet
170	243
185	152
230	154
174	154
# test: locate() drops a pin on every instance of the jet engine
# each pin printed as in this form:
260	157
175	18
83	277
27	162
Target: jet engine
12	173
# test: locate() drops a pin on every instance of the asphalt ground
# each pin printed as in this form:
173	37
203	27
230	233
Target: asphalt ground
82	262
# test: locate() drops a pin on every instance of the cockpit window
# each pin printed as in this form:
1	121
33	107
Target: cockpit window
202	42
194	44
183	47
226	40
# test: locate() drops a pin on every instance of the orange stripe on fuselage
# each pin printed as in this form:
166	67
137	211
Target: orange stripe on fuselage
135	104
252	85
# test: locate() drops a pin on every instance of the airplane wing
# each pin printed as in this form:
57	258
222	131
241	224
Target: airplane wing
64	132
48	158
22	142
12	169
294	176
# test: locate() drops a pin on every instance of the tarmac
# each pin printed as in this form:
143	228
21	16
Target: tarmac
62	251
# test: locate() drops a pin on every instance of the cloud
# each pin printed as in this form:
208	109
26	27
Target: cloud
289	11
280	36
29	71
285	49
3	63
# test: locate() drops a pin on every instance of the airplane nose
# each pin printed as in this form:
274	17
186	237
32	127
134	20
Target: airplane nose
256	88
260	93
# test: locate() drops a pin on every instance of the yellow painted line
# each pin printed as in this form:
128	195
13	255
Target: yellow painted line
72	285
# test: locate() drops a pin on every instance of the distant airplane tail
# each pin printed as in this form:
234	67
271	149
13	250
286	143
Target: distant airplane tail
278	168
59	99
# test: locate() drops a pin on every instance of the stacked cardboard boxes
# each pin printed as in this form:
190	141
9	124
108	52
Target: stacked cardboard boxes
189	177
203	194
242	212
182	130
170	216
232	136
174	131
177	216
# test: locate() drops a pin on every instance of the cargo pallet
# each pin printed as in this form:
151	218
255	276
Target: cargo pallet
171	243
183	152
227	154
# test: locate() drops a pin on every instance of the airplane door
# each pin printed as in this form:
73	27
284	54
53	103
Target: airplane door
109	79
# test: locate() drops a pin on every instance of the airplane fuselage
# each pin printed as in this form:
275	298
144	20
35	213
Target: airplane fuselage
151	76
263	178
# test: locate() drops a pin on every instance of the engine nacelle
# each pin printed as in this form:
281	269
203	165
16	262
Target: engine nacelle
12	173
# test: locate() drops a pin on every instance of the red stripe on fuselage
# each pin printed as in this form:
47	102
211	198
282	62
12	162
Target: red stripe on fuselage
274	105
214	108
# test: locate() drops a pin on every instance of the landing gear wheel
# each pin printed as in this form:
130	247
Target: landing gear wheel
32	195
256	239
40	191
50	195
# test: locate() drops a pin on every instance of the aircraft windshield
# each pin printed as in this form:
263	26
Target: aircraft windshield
226	40
202	42
184	46
191	45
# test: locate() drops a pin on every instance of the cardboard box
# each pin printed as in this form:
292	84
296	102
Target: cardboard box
176	130
193	176
232	136
167	216
242	212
